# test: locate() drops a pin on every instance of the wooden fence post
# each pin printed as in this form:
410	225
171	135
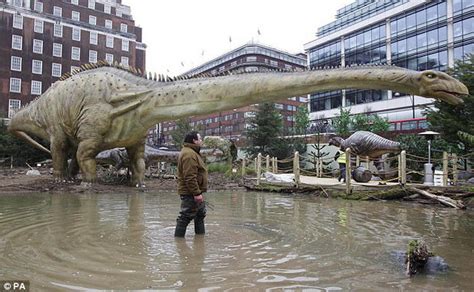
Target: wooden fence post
357	160
267	163
259	166
403	158
455	169
348	171
445	169
274	165
296	168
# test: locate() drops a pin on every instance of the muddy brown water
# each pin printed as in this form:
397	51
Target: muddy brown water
254	242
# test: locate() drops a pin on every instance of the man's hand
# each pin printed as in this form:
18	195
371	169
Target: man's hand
198	199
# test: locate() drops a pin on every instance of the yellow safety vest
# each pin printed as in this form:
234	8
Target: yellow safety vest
342	158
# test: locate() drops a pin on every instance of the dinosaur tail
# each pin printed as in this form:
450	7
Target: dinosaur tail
24	136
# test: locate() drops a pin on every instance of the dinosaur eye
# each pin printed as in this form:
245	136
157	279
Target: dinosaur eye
431	75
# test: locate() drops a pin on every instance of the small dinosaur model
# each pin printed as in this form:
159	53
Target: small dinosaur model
365	143
106	107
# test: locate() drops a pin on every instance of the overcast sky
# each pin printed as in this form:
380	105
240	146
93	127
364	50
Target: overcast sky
183	34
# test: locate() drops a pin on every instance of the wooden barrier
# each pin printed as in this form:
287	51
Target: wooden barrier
296	168
267	163
455	169
348	171
403	160
259	167
445	168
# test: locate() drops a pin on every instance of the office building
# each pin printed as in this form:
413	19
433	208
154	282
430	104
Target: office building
415	34
42	39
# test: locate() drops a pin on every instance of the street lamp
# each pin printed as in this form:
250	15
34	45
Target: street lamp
429	179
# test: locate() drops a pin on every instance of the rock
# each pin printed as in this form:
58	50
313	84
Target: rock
33	172
471	180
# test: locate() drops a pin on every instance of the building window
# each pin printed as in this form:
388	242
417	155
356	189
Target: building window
38	6
37	46
17	42
109	58
124	61
75	2
58	30
93	38
15	63
108	23
92	20
76	34
57	50
76	16
37	67
18	21
75	68
109	41
91	4
57	11
252	59
36	87
107	9
15	85
92	56
13	104
123	27
38	27
125	45
76	53
56	70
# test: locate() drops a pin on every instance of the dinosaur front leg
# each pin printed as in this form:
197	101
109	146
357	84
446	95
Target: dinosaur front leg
136	155
59	155
86	152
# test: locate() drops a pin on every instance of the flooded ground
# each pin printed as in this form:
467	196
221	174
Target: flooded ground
254	241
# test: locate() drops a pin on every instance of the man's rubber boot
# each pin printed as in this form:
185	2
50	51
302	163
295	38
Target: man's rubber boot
180	230
199	227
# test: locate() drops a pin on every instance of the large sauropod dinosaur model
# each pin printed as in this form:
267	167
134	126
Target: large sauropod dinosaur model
106	107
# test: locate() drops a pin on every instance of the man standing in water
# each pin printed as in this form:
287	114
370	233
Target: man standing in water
192	182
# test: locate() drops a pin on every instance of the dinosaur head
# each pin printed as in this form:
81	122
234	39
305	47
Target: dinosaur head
440	86
336	141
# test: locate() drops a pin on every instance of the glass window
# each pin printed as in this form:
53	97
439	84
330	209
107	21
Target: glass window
15	63
109	41
443	59
36	87
58	30
401	25
442	10
109	58
57	50
38	6
17	21
367	37
37	67
108	23
92	56
432	13
468	26
76	34
76	53
125	45
457	29
38	26
412	64
56	70
411	43
75	2
14	104
37	46
107	8
76	16
91	4
433	61
393	27
411	21
402	46
421	41
15	85
57	11
432	37
123	27
422	63
92	20
375	33
421	17
442	34
17	42
93	38
457	5
124	61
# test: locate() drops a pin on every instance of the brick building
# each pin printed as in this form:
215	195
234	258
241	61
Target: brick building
42	39
247	58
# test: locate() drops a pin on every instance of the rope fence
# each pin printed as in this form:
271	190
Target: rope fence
397	171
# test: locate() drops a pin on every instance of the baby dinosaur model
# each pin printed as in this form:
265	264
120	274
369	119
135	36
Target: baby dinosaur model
365	143
107	107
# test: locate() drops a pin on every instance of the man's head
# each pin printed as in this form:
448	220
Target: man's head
193	138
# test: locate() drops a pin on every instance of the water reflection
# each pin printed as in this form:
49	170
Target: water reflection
255	241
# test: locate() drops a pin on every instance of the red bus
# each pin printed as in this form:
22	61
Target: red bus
415	125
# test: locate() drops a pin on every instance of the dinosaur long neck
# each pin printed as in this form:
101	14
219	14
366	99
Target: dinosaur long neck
202	96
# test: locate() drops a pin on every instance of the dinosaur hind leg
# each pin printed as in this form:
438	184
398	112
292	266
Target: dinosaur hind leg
136	155
86	152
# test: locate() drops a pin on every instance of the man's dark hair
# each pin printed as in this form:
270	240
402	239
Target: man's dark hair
190	137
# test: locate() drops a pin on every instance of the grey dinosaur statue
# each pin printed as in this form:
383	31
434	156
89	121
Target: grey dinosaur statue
107	107
365	143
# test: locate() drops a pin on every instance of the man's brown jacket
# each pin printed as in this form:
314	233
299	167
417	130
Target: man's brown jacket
192	172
